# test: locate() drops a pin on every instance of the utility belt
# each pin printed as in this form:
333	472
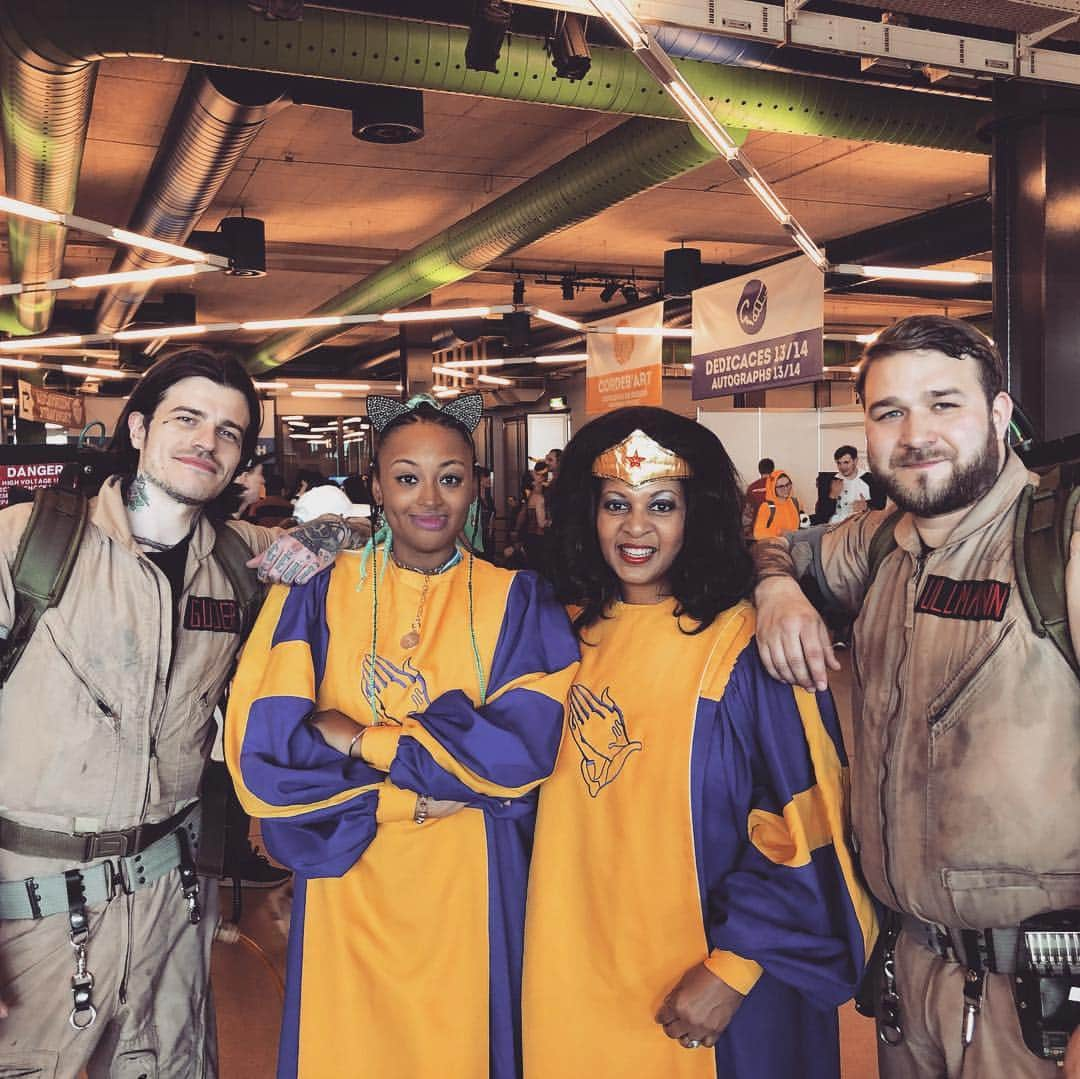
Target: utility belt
1041	956
135	859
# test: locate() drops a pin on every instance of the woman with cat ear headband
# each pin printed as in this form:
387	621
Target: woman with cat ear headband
390	722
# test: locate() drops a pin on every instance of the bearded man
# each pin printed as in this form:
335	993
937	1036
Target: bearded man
967	741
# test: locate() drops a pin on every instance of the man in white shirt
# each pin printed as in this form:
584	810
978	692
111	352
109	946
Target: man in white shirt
851	491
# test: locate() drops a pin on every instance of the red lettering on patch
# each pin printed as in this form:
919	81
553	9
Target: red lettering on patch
970	601
216	615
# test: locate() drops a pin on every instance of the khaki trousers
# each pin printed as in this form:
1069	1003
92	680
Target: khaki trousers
164	1030
931	1013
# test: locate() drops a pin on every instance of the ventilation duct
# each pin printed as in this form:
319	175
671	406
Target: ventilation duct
216	116
45	100
632	158
356	47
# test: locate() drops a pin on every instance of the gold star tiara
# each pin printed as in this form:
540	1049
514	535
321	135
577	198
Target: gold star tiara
639	459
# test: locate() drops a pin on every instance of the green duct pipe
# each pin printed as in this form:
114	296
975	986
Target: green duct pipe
632	158
44	117
397	52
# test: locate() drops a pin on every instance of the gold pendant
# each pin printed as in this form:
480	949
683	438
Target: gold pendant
410	640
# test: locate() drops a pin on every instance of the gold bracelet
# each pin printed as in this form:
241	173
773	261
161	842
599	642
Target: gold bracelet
421	809
355	738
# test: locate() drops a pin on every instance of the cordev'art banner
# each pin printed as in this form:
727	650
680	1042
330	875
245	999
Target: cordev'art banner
760	330
621	369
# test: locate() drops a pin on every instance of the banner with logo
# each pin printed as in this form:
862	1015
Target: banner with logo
760	330
624	369
48	406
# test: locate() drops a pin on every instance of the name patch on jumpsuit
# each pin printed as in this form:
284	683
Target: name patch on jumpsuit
972	601
217	615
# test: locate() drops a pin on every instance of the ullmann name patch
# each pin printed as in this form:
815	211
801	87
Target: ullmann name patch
972	601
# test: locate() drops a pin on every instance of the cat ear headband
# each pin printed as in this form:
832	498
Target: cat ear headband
465	410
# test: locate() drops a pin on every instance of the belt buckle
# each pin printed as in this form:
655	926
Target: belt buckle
106	845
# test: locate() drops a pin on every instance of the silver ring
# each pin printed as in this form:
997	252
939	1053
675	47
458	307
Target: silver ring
693	1043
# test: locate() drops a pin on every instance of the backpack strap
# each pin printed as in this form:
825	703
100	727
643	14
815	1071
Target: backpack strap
232	554
772	512
42	566
882	544
1041	536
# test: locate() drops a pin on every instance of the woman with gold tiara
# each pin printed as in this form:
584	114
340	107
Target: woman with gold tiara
690	885
389	722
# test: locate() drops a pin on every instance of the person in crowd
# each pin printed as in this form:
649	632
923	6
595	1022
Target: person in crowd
486	504
389	722
552	459
779	510
691	888
358	489
850	490
105	724
306	479
755	494
273	509
957	775
533	520
251	487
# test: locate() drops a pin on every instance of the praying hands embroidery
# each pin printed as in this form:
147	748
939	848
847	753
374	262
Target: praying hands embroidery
599	731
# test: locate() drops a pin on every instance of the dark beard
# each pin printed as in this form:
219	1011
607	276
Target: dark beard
967	486
172	492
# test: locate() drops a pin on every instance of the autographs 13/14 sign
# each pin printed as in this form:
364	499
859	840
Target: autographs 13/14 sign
760	330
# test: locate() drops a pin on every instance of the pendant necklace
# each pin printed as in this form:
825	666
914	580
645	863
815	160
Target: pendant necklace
412	638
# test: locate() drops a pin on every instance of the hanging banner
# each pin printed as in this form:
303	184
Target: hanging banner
760	330
623	369
47	406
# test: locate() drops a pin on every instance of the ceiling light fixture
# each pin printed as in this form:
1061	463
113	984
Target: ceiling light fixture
474	363
432	315
915	273
315	393
96	372
29	344
271	385
345	387
558	320
160	273
650	331
11	361
495	380
291	323
161	331
446	391
449	372
623	23
566	357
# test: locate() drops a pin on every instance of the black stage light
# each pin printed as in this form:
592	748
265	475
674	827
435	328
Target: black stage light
568	47
607	293
630	292
568	287
519	291
490	22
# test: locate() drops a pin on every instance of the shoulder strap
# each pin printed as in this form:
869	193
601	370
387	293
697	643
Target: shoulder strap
772	512
47	551
1041	536
232	554
882	544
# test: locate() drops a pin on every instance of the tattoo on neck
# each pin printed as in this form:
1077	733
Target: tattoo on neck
137	497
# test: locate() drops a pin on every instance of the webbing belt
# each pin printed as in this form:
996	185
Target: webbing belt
80	847
997	948
41	897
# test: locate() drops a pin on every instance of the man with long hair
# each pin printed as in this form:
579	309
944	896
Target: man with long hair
965	796
105	725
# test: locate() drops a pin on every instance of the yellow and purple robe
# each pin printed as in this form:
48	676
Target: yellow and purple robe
697	813
405	945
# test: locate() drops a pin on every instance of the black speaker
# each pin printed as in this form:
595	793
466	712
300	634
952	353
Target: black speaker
389	115
245	244
682	271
